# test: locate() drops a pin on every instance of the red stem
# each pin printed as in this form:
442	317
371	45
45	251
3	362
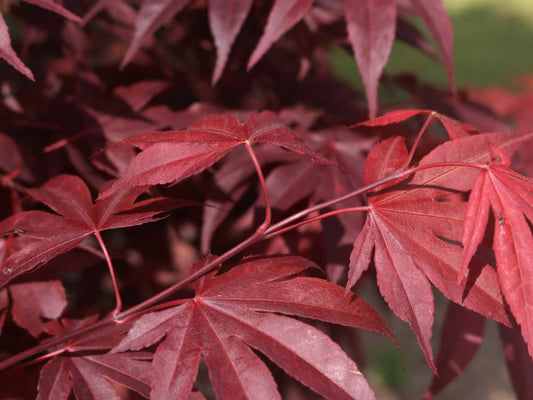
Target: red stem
417	140
118	300
395	175
63	142
268	211
256	236
313	219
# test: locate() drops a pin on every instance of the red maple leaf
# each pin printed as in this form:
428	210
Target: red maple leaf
53	234
239	309
82	368
171	156
371	28
7	52
511	197
454	128
415	233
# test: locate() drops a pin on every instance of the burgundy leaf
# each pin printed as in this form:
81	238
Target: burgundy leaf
476	218
404	287
79	217
239	308
152	15
513	246
226	18
55	382
454	128
175	155
87	373
7	52
33	301
439	24
283	16
371	30
407	228
55	7
511	197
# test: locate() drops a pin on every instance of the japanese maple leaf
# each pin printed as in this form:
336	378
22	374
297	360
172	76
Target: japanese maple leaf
371	30
283	16
83	369
174	155
438	21
7	52
454	128
415	235
34	301
511	197
78	218
226	18
239	310
88	377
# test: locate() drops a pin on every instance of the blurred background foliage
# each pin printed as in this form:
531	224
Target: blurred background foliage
493	45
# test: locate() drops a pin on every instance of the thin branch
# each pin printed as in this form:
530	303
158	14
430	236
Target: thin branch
313	219
55	341
392	177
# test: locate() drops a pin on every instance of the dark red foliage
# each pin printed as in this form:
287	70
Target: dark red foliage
293	197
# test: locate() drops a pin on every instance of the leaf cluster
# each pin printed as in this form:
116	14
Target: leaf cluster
191	203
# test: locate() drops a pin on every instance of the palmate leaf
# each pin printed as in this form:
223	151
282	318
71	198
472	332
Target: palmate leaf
511	197
454	128
415	235
239	309
88	376
171	156
53	234
84	370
